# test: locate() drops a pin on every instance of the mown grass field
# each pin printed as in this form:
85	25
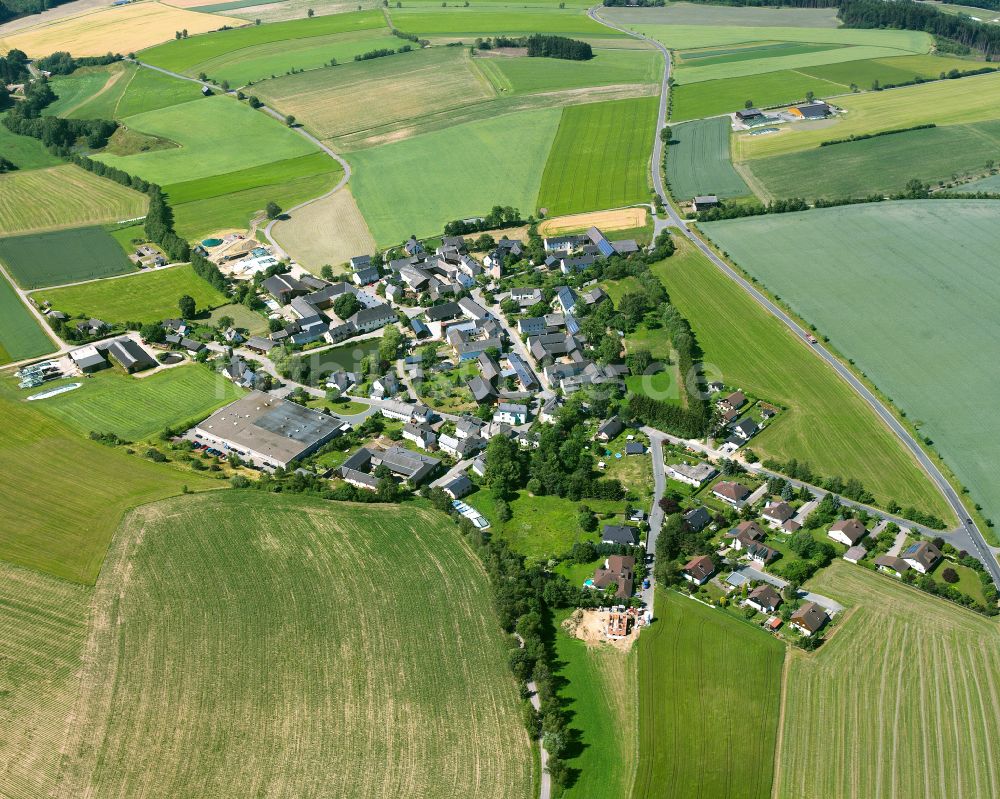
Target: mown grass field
600	157
601	694
875	298
148	90
948	102
709	694
110	30
698	161
889	70
216	135
900	702
883	165
417	185
712	98
187	55
523	75
328	231
25	152
687	37
456	20
388	666
83	85
20	335
825	424
148	297
63	256
63	197
384	92
67	493
134	408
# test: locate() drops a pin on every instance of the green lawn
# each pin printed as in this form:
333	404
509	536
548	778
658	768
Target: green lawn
710	693
906	674
699	162
711	98
20	335
875	297
134	408
186	54
600	693
882	165
216	135
68	494
542	526
600	157
144	297
475	166
63	256
243	318
826	424
193	604
607	67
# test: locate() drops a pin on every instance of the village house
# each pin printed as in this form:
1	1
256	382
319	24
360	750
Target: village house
618	570
696	475
699	569
809	619
609	429
458	487
847	532
734	494
421	435
733	402
777	513
511	413
697	519
922	556
619	534
890	564
764	598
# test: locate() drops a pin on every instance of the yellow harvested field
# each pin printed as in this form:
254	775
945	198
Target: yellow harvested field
368	95
618	219
62	197
114	30
328	231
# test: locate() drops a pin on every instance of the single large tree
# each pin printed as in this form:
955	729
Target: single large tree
187	306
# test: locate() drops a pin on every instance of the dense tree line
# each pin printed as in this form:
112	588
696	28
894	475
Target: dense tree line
62	63
558	47
666	416
382	52
908	15
499	217
863	136
639	3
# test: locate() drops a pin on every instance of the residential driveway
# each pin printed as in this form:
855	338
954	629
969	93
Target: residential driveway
831	606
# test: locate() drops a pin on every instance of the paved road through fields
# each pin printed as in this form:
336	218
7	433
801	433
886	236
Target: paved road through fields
968	536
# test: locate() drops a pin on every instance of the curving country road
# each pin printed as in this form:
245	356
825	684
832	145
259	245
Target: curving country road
968	535
300	130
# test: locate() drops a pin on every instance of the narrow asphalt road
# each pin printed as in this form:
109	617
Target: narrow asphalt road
977	544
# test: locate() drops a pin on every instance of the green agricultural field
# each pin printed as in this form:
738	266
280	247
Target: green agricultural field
826	424
698	161
186	54
600	157
948	102
216	135
63	196
888	70
907	679
475	166
148	90
688	14
709	56
697	72
600	693
143	297
608	67
134	408
882	165
20	335
25	152
687	37
379	94
81	87
63	256
67	493
989	184
888	275
456	20
224	670
198	218
709	695
712	98
271	174
254	64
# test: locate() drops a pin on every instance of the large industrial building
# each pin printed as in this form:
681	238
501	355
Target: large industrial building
271	431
